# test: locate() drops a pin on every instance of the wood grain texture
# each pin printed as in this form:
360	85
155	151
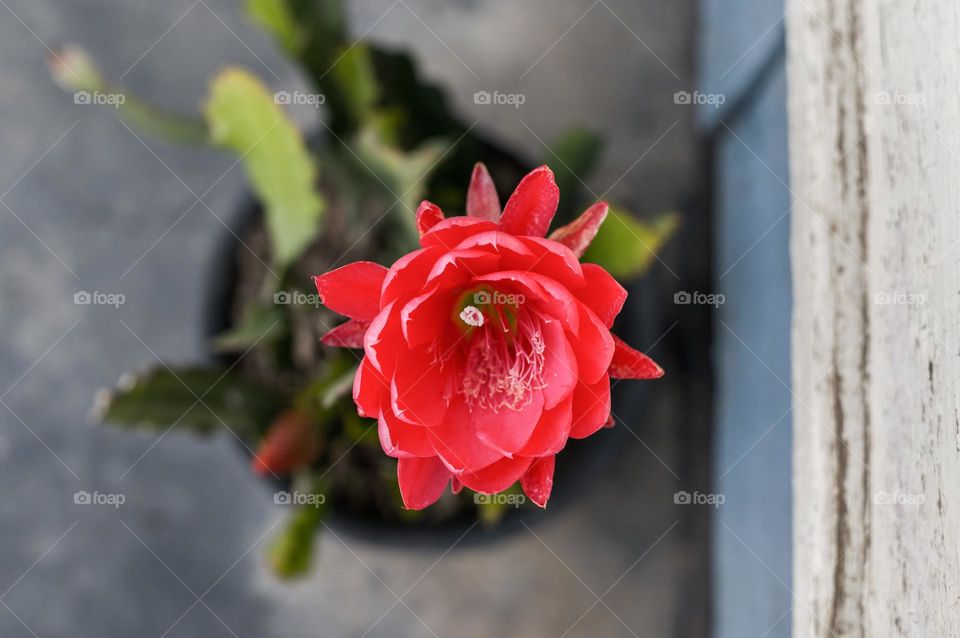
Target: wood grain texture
875	155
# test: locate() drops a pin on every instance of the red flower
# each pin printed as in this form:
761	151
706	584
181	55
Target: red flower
489	347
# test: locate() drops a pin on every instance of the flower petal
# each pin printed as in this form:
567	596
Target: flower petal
559	365
402	440
454	230
594	346
496	477
416	391
537	481
383	340
591	407
554	260
405	278
428	216
601	293
368	387
422	481
346	335
507	431
482	198
455	441
458	266
353	290
424	318
533	204
578	234
550	435
628	363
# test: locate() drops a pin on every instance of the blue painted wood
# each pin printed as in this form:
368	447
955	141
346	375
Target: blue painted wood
738	37
752	532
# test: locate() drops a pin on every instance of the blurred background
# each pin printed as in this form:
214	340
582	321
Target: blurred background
689	100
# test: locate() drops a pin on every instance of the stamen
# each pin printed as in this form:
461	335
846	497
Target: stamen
504	367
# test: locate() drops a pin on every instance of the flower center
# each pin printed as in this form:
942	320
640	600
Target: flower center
504	364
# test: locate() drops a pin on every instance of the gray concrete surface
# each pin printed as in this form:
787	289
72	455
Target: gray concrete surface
89	207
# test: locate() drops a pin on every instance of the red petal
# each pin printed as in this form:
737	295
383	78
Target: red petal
422	481
482	198
532	206
346	335
383	340
402	440
496	477
591	407
459	266
428	216
454	230
632	364
507	431
416	390
601	294
554	260
593	345
537	482
455	441
423	318
353	290
405	278
578	234
559	365
368	387
550	435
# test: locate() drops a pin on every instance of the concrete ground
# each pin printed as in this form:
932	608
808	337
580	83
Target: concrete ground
87	206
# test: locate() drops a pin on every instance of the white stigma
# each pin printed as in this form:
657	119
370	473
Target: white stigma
472	316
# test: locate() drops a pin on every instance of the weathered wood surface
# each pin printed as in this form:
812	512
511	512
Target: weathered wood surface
875	165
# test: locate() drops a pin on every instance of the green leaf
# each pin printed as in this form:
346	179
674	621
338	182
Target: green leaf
572	156
404	174
626	247
244	118
276	17
291	552
262	323
162	398
353	82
